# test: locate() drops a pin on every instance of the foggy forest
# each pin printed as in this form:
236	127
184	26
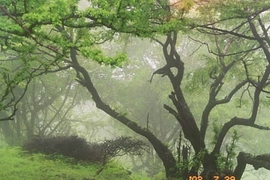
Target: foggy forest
134	89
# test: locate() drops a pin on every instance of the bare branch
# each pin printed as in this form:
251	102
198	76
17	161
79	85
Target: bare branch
234	122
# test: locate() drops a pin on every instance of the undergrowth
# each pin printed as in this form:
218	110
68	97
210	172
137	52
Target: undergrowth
17	165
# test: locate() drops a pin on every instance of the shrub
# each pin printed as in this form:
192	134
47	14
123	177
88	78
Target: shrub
78	148
71	146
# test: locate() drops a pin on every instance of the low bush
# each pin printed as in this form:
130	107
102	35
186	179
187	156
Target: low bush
78	148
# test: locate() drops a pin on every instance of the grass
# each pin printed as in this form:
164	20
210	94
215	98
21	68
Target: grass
17	165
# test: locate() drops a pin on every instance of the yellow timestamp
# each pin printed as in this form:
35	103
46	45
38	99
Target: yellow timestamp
214	178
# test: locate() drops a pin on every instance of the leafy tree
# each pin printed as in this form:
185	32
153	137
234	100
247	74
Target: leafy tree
45	109
13	85
69	36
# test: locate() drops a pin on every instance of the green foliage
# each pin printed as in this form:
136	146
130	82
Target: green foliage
216	131
226	160
18	165
97	55
51	11
198	159
230	9
200	78
142	18
159	176
175	24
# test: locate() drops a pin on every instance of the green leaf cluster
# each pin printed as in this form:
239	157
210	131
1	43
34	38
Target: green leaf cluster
51	12
96	55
